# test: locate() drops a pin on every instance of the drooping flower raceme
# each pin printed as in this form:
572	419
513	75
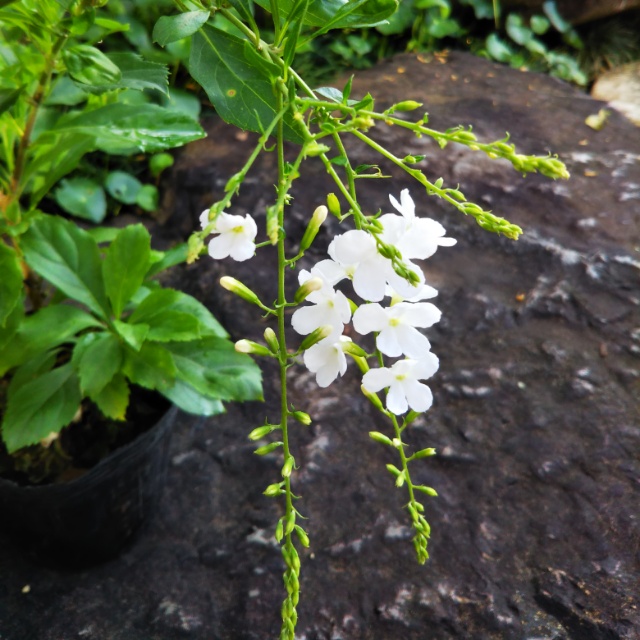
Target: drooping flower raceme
397	326
402	380
236	237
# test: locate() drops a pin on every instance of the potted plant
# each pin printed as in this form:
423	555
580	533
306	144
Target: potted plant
84	323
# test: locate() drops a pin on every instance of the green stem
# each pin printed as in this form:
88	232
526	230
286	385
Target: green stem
350	174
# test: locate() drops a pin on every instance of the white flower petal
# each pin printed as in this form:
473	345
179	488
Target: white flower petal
352	247
306	319
377	379
419	314
369	283
387	342
419	396
219	247
426	366
396	399
411	342
369	317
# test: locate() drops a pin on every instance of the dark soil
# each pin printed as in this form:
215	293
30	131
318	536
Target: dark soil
536	419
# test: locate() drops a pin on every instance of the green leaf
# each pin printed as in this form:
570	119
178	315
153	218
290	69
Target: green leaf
188	399
90	66
152	367
8	332
171	28
39	407
539	24
66	92
163	307
338	14
68	258
10	282
498	49
123	186
125	265
97	357
82	197
138	73
133	334
517	30
184	102
125	129
148	197
213	368
49	327
237	80
551	11
113	400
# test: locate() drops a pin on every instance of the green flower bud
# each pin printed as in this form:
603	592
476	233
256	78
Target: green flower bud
313	149
268	448
194	247
311	285
302	417
235	286
354	350
428	490
465	136
287	467
318	217
424	453
407	105
248	346
400	479
381	438
363	122
289	524
261	432
394	471
334	205
315	336
363	365
302	536
274	490
272	340
279	530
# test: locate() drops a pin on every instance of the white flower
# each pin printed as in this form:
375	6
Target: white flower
397	326
356	252
327	360
402	380
416	238
329	307
237	236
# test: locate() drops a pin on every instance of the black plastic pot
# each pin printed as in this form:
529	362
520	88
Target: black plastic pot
92	518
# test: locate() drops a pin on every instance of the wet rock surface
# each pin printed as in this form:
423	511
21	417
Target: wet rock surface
536	420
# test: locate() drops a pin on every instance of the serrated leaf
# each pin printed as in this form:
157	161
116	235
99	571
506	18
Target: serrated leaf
40	407
138	73
126	129
152	367
10	282
113	400
82	197
215	369
237	80
171	28
126	265
68	258
133	334
123	186
97	357
46	329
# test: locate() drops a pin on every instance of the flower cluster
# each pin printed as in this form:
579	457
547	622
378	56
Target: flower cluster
354	255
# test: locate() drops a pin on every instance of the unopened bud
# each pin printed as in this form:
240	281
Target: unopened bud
287	467
381	438
353	349
394	471
318	217
261	432
274	490
268	448
363	122
424	453
279	530
430	491
272	340
407	105
235	286
316	336
315	148
334	205
362	364
302	536
248	346
311	285
194	248
302	417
